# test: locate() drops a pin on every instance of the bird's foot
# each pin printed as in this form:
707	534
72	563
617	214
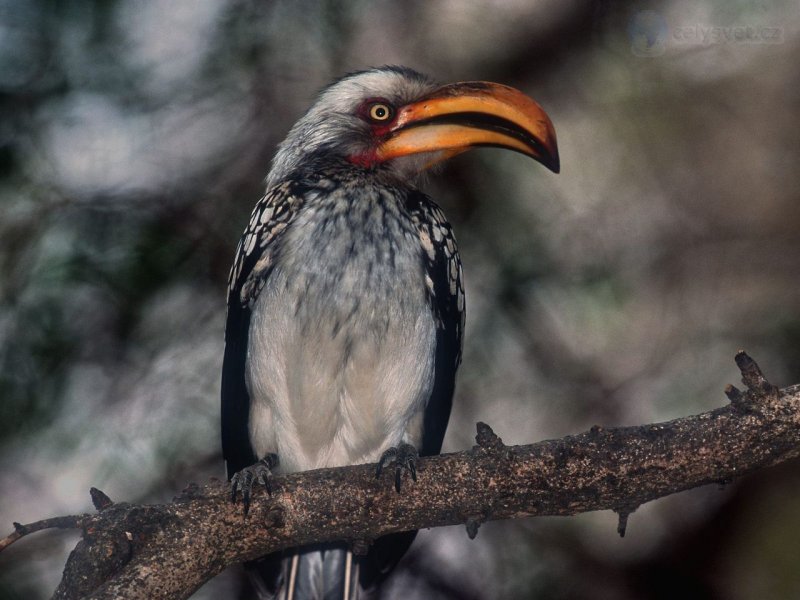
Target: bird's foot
244	480
404	457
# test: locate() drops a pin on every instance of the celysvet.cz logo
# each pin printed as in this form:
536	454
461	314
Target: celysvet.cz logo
708	35
648	32
651	35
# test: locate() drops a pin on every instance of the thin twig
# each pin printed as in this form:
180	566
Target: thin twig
20	531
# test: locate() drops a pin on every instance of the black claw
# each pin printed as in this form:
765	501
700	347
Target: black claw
266	481
246	500
404	457
244	480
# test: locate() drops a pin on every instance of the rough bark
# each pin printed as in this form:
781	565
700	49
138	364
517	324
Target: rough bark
169	551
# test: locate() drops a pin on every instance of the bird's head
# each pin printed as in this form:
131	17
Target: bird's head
398	119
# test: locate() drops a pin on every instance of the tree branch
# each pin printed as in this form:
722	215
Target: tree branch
169	551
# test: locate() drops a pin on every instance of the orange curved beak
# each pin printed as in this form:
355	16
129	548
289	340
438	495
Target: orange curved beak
460	116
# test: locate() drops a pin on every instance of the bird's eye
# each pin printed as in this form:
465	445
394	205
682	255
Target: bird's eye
380	112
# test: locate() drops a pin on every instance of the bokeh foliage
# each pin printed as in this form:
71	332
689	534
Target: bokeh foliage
134	138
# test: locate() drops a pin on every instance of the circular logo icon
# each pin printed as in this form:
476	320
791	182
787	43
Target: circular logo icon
647	32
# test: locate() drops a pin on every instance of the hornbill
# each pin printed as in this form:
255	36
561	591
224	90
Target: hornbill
346	302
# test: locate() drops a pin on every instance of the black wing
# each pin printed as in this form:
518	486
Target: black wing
446	292
251	267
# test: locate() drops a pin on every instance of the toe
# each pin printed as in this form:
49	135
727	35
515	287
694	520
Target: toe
404	458
244	480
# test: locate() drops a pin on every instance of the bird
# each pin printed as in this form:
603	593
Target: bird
345	313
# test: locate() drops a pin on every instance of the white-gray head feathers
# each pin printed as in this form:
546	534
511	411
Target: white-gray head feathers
333	126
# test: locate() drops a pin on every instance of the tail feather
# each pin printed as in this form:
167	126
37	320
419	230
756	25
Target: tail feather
322	575
328	573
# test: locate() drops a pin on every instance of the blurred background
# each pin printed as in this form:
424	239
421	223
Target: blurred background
134	138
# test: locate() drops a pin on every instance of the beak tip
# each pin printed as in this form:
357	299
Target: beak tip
553	162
